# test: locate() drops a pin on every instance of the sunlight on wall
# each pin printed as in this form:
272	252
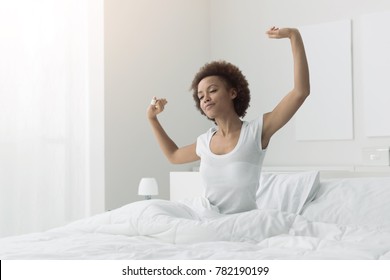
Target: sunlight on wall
44	114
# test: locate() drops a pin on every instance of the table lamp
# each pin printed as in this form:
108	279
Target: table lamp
148	187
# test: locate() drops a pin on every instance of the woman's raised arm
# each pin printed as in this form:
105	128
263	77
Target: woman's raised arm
289	105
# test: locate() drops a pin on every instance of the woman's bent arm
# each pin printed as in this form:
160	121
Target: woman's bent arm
173	153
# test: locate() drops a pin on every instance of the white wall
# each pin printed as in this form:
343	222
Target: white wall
152	48
237	34
155	47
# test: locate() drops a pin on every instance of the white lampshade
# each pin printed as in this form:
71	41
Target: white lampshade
148	187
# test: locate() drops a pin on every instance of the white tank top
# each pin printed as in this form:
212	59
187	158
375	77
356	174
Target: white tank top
231	180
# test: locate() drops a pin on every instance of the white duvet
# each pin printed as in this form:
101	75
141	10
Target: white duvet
159	229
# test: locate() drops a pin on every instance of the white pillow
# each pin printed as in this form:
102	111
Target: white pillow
359	201
287	192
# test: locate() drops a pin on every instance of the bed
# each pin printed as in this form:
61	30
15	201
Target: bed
305	214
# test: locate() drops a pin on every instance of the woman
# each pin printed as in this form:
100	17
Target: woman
232	153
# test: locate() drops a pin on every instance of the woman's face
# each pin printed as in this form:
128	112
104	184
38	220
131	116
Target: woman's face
214	96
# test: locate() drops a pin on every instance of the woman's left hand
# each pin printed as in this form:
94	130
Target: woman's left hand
278	33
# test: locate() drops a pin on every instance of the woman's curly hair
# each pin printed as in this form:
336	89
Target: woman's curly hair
233	78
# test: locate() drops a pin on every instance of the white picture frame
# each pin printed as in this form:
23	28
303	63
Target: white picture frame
327	113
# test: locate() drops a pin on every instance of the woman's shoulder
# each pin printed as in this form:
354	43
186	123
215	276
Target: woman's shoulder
256	122
206	135
210	131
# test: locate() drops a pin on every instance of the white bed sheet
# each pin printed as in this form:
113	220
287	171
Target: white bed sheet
161	229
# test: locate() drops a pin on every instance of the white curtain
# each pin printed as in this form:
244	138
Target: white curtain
44	114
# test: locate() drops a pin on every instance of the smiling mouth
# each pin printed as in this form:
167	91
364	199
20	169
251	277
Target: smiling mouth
208	106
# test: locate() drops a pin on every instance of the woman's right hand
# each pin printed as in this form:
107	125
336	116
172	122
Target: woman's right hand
156	108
